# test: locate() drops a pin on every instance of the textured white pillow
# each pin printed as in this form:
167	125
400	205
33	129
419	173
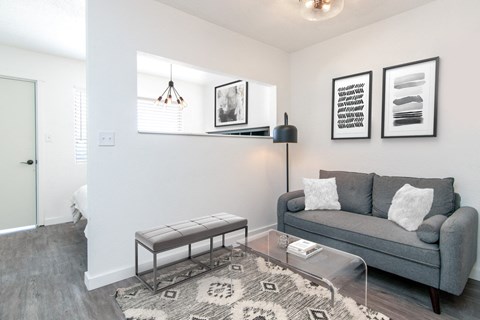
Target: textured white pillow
409	206
321	194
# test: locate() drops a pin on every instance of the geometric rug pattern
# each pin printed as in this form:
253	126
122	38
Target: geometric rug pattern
249	289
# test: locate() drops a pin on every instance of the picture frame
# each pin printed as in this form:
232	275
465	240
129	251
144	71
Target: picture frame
409	107
352	106
231	104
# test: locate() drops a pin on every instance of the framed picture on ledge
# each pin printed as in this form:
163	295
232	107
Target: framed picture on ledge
231	104
351	106
410	99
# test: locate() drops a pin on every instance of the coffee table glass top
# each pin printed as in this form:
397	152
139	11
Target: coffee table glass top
336	269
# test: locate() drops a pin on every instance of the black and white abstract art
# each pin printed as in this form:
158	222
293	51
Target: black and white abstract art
231	104
410	99
351	106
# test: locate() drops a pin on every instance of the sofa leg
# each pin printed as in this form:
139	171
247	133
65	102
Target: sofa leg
435	298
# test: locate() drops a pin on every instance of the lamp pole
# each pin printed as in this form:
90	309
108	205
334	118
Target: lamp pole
286	146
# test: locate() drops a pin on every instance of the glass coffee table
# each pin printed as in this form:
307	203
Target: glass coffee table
335	269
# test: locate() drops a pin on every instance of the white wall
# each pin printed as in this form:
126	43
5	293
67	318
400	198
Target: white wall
437	29
146	180
59	175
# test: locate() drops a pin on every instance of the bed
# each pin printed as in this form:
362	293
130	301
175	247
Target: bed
79	205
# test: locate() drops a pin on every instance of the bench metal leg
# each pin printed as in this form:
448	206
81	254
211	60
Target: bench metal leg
139	274
190	251
211	253
223	240
246	238
136	257
154	273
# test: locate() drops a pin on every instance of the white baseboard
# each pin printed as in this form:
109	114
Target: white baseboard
96	281
475	274
58	220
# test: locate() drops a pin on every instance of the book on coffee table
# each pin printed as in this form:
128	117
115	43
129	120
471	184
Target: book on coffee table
306	254
303	248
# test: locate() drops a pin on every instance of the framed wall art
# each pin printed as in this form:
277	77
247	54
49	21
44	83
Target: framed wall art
410	99
231	104
351	106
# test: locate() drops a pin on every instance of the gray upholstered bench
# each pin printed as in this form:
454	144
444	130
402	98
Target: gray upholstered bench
167	237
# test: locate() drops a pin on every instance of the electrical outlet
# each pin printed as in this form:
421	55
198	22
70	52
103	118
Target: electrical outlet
106	139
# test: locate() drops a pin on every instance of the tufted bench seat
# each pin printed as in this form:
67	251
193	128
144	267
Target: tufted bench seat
171	236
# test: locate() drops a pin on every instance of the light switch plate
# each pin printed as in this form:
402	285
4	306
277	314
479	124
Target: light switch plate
106	139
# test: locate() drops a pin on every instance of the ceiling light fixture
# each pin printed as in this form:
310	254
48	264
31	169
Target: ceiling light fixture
317	10
168	95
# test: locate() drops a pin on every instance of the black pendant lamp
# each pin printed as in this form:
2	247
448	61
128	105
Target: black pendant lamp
285	134
166	98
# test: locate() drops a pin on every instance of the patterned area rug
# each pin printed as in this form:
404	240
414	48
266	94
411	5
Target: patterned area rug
248	289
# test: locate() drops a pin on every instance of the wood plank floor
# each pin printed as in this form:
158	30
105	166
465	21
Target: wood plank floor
41	278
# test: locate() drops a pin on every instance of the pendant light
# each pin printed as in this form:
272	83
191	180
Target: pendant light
167	99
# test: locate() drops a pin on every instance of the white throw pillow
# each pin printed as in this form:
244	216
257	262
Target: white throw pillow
409	206
321	194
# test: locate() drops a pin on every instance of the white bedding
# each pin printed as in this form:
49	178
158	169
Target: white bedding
80	205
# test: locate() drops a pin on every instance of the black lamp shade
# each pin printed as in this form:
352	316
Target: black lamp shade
285	133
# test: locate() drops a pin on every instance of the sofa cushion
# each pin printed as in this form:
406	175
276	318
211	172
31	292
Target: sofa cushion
296	204
354	190
429	230
384	188
370	232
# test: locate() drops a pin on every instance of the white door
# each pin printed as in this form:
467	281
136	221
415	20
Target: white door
18	199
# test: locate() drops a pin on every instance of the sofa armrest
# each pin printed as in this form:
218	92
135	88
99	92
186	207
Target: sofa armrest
282	206
458	249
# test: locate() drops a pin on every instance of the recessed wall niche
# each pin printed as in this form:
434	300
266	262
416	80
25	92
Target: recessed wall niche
197	86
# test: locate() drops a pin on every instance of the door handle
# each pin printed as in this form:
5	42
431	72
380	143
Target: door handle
29	162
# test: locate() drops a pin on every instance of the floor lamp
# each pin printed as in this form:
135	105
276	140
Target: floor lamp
285	134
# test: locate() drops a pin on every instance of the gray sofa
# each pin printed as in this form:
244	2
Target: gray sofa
444	258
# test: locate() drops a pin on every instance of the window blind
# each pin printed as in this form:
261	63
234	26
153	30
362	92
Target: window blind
80	106
153	118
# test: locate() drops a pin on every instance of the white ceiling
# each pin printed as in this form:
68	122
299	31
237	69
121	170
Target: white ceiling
58	26
278	22
51	26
